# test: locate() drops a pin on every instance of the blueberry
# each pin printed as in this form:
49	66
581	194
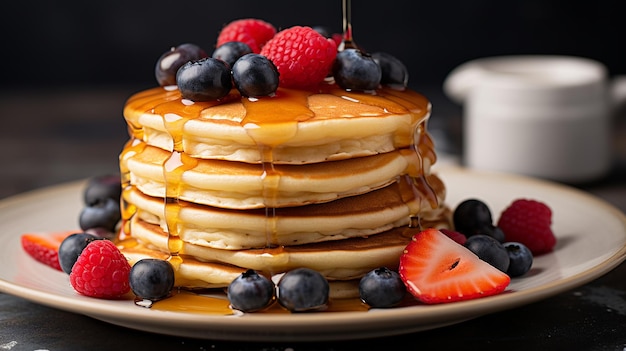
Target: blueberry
205	79
472	216
103	214
493	231
251	292
394	72
356	70
303	289
255	75
71	247
151	279
521	258
102	187
230	51
170	61
381	288
489	250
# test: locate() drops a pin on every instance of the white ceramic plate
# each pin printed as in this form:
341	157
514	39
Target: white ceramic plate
591	241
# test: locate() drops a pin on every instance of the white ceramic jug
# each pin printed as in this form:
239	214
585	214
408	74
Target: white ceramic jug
543	116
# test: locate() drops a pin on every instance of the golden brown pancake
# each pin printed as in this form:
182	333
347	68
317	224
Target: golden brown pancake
292	127
366	214
337	260
197	275
238	185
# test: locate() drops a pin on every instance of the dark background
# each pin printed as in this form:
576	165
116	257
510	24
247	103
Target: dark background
69	66
59	43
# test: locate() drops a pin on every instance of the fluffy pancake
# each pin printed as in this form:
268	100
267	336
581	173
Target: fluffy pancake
295	126
197	275
337	260
238	185
366	214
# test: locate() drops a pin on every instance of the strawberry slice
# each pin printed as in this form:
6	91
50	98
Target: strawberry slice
436	269
45	248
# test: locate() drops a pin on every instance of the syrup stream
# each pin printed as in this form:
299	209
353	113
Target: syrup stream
348	41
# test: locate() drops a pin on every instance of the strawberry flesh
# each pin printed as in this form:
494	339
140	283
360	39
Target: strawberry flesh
44	248
436	269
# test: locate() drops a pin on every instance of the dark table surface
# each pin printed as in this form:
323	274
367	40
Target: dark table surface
57	136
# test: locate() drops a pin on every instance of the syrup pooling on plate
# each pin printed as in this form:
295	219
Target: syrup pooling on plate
212	304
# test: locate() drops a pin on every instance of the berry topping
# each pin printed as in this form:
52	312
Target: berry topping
231	51
489	250
356	70
44	248
101	271
521	259
151	279
251	292
168	64
101	188
393	72
303	289
470	216
102	214
302	55
473	216
529	222
254	32
71	247
205	79
435	269
254	75
381	288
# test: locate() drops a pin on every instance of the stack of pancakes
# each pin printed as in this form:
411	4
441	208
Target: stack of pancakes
329	179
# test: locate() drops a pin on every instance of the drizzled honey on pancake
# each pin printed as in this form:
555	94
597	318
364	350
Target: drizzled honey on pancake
272	125
270	129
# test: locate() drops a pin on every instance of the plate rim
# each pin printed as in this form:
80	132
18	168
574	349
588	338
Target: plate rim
299	325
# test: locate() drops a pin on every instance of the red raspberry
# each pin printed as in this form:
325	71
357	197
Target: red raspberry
101	271
528	222
251	31
454	235
302	56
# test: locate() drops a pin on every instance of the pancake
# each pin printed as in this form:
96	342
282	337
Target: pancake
238	185
196	275
292	127
366	214
337	260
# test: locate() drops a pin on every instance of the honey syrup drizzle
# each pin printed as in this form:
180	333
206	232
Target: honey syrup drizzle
269	125
175	114
127	209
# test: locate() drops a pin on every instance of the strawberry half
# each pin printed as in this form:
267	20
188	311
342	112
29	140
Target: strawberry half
436	269
45	248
